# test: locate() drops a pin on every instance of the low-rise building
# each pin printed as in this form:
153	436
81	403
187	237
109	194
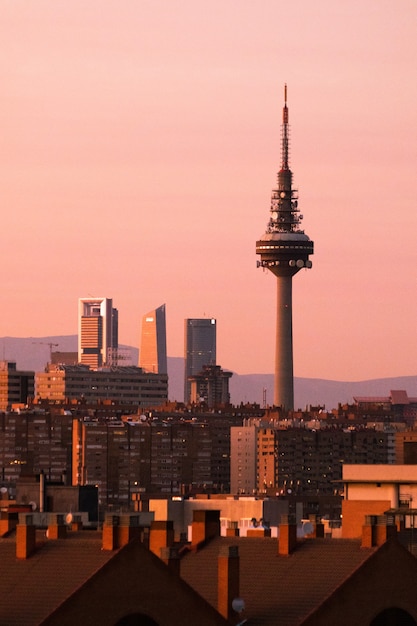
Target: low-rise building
376	490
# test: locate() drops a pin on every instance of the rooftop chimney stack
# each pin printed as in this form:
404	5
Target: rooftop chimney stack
287	535
56	526
377	530
161	536
25	536
228	581
110	532
205	526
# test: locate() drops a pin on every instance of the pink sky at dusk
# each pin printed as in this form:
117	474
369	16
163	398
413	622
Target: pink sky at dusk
139	144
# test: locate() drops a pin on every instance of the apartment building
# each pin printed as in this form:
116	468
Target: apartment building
210	386
35	442
16	386
301	460
154	456
122	384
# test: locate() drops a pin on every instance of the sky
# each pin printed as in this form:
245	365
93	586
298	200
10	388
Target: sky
140	142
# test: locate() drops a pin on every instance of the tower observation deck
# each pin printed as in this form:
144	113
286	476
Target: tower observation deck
284	250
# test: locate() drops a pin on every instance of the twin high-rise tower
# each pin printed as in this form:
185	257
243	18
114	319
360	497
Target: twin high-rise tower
153	344
199	348
284	249
97	332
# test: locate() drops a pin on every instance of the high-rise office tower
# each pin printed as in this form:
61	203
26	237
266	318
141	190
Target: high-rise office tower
284	250
153	344
97	332
199	349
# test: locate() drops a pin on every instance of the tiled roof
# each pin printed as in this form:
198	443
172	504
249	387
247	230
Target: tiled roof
277	589
399	396
30	589
73	581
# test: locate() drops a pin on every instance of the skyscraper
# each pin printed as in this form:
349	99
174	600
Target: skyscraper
97	332
153	344
284	250
199	349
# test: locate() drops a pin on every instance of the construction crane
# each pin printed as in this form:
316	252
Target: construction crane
50	344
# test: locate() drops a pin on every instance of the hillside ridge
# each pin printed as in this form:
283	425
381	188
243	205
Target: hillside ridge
33	353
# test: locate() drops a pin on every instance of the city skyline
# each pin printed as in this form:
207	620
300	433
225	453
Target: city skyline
138	153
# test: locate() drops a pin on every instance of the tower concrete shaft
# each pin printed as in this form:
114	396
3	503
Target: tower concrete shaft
284	249
284	369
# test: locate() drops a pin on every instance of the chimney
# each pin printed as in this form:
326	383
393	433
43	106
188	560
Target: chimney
318	526
287	535
170	557
385	529
128	529
228	581
161	536
110	532
56	526
25	536
8	522
41	492
377	530
76	523
368	532
233	529
205	526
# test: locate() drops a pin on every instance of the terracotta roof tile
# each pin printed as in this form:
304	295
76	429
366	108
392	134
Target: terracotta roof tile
48	577
272	586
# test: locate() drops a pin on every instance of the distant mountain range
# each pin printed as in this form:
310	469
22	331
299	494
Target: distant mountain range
33	353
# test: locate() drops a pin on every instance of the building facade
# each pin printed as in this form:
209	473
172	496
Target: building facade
121	384
15	386
302	461
153	344
97	332
377	490
129	457
210	386
34	442
199	349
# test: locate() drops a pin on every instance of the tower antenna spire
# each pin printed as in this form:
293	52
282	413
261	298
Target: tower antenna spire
285	133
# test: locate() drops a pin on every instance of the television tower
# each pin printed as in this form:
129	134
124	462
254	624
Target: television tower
284	249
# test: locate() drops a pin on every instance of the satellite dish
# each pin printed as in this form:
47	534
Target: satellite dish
238	605
68	518
289	491
33	505
307	528
3	490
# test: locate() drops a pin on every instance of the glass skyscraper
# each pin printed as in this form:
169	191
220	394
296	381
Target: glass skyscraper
199	349
153	344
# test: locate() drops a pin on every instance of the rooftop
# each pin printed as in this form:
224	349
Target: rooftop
48	577
271	585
